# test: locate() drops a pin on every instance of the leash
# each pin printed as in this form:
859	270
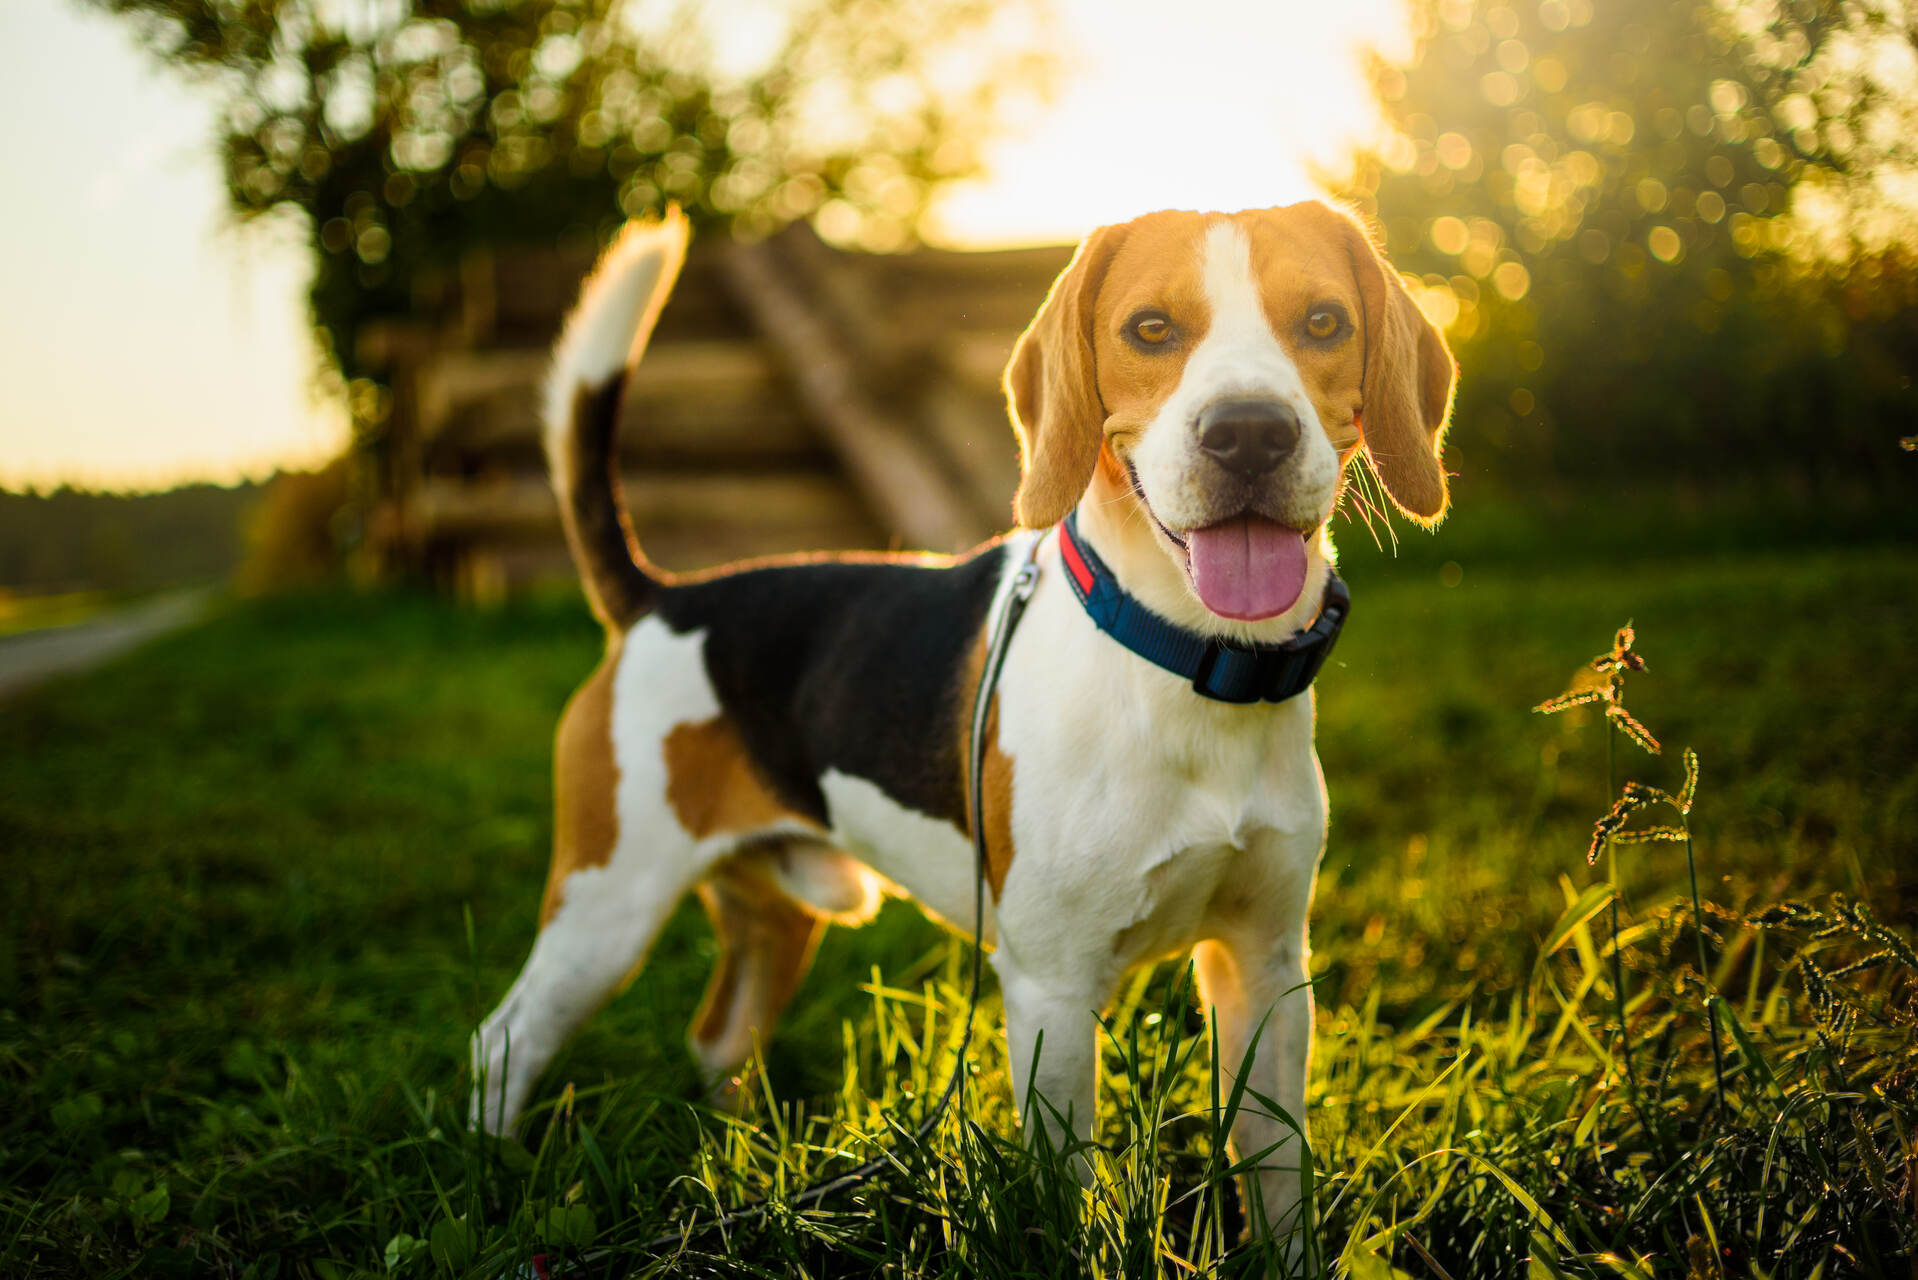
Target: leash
1011	609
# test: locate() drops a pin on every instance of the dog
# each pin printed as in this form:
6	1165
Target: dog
789	738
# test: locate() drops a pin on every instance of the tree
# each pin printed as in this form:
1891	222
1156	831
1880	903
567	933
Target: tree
1606	203
408	130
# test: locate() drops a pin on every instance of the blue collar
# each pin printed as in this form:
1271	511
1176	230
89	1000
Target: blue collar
1218	670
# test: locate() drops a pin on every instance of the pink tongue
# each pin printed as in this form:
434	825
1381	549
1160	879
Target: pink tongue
1249	568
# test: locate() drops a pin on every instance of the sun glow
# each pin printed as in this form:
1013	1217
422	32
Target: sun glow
1210	104
144	345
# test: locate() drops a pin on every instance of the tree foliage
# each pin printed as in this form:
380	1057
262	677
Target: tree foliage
1660	234
71	540
409	130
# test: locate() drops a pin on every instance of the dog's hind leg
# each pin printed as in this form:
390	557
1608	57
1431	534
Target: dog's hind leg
770	904
766	944
595	941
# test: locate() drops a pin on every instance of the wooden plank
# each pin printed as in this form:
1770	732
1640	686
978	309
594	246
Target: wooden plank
534	287
675	432
720	401
1023	274
978	359
900	480
957	414
945	311
449	378
971	430
520	563
521	506
834	282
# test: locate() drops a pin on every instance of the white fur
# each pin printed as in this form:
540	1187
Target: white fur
609	328
609	914
1154	822
1239	357
929	858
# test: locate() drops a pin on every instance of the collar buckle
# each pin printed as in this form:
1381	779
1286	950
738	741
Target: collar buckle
1227	673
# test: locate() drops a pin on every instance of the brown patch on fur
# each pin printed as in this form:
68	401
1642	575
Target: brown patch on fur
998	797
1302	260
1111	472
997	777
1075	379
1160	268
712	784
766	944
585	776
1051	387
1397	369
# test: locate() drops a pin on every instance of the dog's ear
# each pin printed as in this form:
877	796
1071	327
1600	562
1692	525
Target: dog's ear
1407	388
1052	389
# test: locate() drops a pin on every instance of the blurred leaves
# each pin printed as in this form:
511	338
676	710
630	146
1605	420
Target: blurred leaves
1671	236
410	130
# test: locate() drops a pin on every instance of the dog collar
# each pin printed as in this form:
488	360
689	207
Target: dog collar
1219	670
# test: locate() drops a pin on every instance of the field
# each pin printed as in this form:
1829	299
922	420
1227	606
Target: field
263	878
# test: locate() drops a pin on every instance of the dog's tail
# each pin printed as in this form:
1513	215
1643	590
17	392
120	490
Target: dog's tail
596	354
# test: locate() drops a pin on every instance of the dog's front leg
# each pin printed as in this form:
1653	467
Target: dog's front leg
1052	1039
1258	988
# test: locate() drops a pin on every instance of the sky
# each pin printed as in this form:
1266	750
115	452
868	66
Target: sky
146	341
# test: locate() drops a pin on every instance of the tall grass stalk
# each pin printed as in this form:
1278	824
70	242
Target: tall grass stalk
1704	970
1618	948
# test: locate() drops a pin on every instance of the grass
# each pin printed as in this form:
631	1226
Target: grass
263	877
22	613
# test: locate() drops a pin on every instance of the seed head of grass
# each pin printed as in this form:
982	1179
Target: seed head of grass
1638	796
1603	680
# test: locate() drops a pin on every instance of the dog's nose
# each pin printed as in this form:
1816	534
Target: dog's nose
1248	437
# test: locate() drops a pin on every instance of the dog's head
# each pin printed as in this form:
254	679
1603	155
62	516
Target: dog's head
1200	382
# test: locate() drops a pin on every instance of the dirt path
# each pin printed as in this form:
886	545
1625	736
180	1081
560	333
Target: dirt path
34	656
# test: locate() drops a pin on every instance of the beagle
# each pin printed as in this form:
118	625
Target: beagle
789	738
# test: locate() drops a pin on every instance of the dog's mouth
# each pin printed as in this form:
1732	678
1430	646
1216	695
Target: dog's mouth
1247	568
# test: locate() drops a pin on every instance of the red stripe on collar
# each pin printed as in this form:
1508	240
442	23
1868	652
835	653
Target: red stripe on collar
1075	559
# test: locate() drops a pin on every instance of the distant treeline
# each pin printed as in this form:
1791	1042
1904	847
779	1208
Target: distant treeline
71	539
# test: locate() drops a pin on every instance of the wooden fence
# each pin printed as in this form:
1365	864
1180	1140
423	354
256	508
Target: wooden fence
795	396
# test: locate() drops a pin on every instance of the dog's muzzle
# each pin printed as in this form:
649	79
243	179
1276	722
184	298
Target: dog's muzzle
1249	438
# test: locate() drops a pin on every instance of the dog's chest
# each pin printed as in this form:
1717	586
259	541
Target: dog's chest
1140	809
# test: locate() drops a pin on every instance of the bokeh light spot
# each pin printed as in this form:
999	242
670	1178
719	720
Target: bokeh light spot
1449	236
1511	279
1500	89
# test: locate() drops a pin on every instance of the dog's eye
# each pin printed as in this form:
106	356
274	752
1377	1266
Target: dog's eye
1151	328
1323	323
